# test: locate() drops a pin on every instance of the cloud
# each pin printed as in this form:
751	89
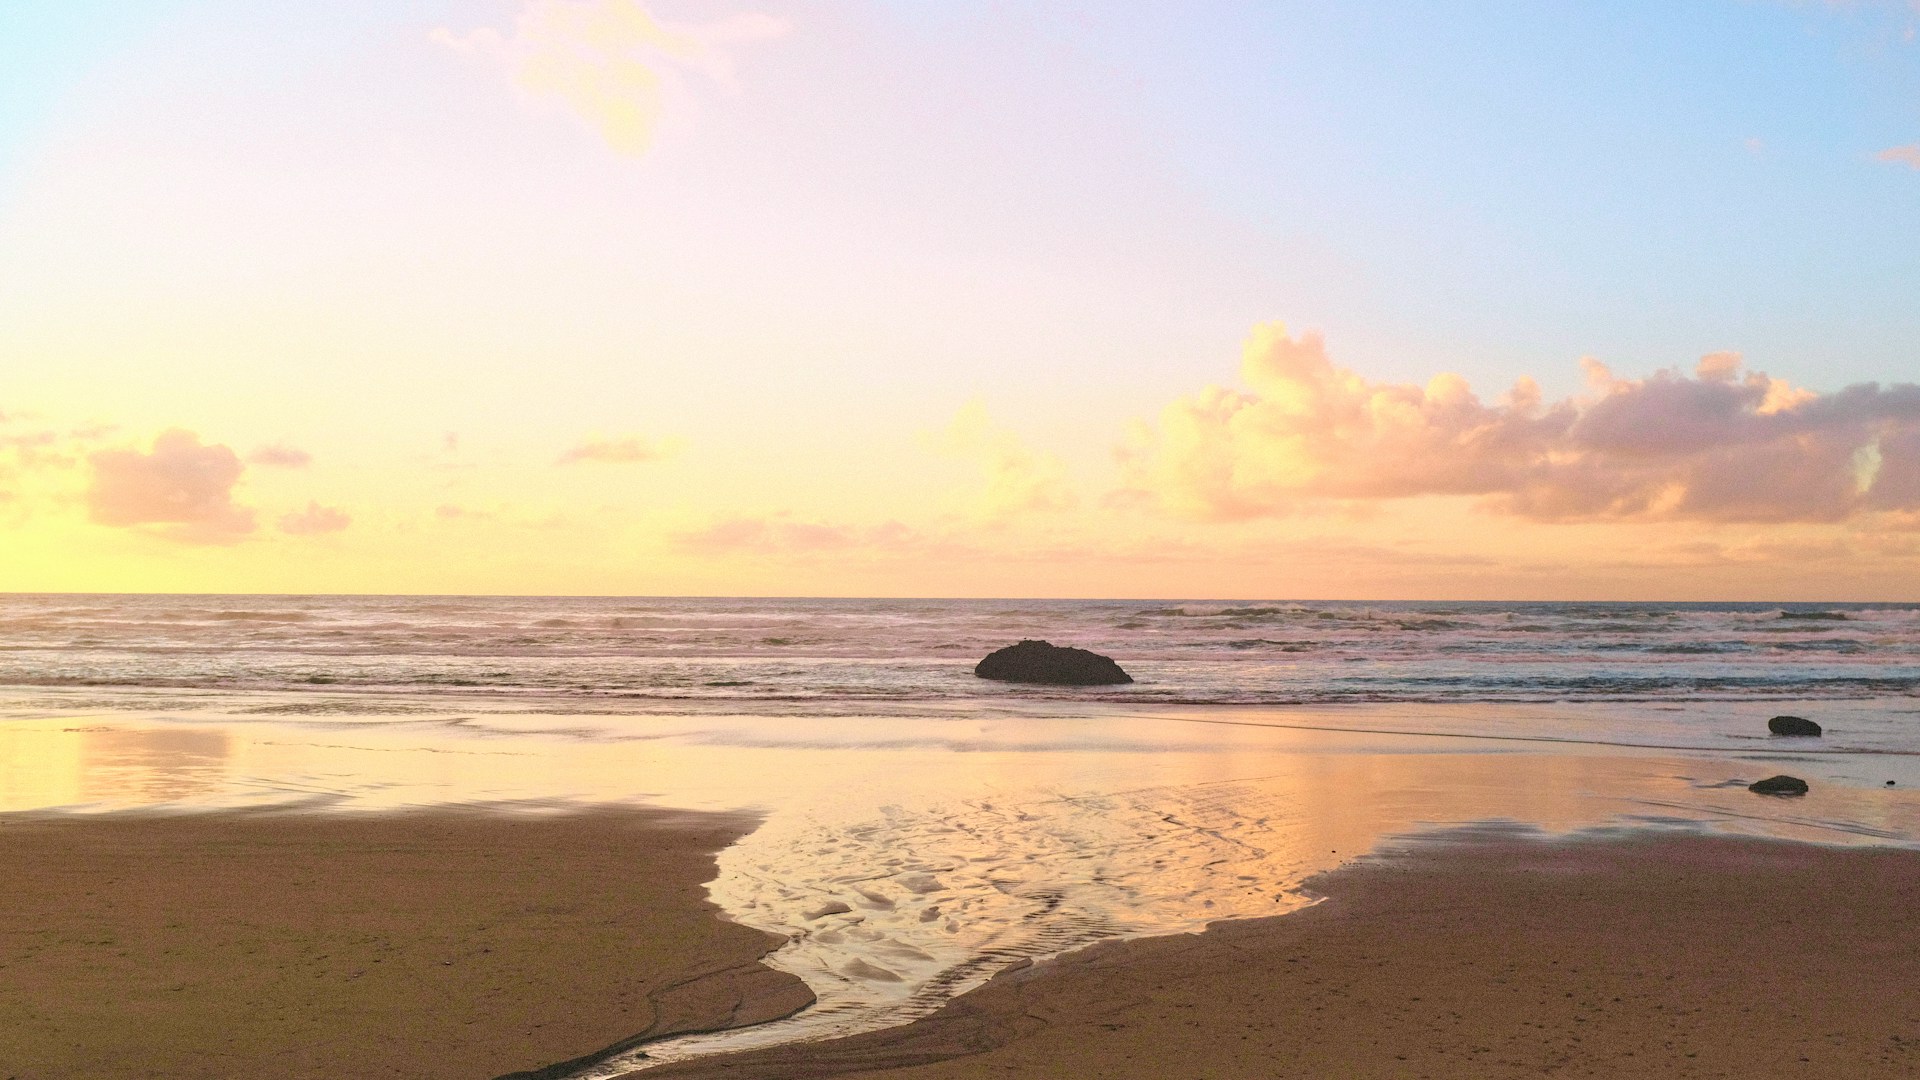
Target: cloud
31	444
1019	480
35	449
610	61
181	485
782	534
1908	155
618	451
1721	446
315	520
280	457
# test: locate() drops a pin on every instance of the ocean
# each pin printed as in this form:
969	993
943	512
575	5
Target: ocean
788	654
920	828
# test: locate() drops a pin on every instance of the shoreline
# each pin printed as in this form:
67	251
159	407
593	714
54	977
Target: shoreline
900	860
456	944
1473	954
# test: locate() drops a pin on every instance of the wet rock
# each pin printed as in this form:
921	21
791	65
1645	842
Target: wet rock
1793	725
1779	785
1041	662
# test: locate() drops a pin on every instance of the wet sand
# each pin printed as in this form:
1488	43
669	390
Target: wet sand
415	945
1674	956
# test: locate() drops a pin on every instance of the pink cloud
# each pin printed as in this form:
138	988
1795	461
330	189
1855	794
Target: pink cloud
315	520
181	484
1908	155
36	449
1719	446
280	457
617	451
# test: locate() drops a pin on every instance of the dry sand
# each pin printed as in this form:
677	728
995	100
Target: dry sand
1673	957
416	946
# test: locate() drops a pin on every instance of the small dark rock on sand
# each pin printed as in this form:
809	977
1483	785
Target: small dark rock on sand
1041	662
1793	725
1779	785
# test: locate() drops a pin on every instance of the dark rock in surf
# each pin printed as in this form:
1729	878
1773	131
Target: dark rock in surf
1779	785
1793	725
1041	662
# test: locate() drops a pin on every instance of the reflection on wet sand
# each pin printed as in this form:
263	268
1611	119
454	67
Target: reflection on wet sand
161	765
111	766
907	859
891	916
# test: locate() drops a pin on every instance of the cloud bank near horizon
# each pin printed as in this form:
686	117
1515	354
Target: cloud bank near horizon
181	485
1723	445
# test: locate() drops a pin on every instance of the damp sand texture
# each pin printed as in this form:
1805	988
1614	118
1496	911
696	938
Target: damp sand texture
419	945
1647	958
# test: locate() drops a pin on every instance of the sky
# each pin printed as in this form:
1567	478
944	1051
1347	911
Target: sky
863	298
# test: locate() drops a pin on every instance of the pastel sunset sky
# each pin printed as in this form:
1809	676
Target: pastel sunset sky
850	297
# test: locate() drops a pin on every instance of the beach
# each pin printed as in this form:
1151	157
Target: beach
422	945
318	816
1619	956
485	944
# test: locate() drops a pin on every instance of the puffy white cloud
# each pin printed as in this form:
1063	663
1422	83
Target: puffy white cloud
610	61
1722	445
181	485
315	520
625	451
1018	480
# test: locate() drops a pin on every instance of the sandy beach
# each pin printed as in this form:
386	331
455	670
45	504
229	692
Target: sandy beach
418	945
256	879
1678	956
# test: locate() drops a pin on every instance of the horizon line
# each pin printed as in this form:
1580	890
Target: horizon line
4	593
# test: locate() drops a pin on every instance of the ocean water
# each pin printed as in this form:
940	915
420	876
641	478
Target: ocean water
796	655
921	829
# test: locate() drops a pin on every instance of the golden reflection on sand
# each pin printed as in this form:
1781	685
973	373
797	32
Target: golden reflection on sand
909	858
109	766
894	909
